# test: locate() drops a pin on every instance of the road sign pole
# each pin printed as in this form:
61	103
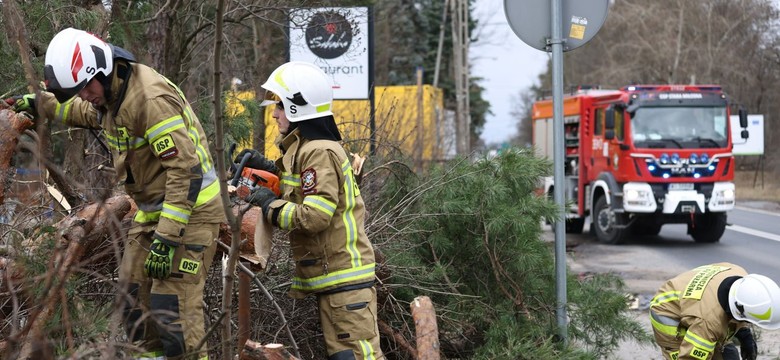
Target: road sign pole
556	42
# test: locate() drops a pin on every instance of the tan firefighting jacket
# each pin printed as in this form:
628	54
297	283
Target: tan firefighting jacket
322	207
691	300
158	146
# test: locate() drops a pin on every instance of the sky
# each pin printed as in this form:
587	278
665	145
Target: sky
506	64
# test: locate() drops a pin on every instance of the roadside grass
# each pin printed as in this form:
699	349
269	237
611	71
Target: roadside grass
768	190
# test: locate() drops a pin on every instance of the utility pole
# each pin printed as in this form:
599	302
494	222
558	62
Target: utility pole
460	52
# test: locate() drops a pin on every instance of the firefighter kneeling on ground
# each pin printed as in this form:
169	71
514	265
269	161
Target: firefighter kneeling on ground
322	208
696	314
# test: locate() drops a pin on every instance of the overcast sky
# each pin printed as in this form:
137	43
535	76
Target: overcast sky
507	65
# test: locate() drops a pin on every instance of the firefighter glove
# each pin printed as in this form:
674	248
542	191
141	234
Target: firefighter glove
262	197
747	345
24	102
159	261
256	161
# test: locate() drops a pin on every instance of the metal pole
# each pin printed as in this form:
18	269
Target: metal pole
558	142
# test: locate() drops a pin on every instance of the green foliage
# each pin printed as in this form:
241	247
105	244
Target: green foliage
471	240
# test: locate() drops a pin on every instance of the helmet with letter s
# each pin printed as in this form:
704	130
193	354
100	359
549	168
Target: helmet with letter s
73	58
756	299
304	90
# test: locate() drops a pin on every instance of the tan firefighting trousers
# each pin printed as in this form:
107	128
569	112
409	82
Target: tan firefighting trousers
349	324
165	317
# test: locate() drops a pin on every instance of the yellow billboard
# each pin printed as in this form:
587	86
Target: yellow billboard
409	122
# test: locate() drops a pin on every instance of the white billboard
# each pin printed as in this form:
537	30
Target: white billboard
754	144
335	39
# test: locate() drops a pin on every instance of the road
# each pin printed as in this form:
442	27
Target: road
752	240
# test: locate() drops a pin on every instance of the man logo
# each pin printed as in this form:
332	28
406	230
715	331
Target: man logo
329	34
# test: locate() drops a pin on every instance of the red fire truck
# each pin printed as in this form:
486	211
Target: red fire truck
644	156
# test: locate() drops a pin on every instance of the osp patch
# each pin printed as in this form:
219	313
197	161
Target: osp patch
309	181
165	148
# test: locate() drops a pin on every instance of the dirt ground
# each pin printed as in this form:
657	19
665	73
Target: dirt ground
639	267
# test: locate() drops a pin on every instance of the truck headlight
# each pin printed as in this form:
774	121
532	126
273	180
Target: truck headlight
632	195
727	194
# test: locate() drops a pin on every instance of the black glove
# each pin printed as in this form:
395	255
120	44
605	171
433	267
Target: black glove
159	262
747	345
24	102
257	161
262	197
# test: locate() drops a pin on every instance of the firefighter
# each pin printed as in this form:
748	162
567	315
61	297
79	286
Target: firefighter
160	154
322	208
695	314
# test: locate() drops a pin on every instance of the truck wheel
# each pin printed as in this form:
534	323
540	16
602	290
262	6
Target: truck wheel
709	227
575	225
605	221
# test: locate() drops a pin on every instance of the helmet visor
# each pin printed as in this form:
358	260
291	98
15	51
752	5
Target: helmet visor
270	99
54	87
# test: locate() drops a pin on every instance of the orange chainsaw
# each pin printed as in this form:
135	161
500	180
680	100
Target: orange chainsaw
246	178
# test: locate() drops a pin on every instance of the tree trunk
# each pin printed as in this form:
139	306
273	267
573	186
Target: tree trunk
425	326
11	126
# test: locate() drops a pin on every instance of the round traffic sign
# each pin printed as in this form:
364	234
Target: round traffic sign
531	21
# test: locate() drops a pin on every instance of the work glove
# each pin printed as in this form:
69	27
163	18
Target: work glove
748	348
159	262
262	197
24	102
257	161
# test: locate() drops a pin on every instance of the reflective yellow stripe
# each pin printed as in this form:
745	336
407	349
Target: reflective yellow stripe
665	298
176	213
143	217
699	341
348	217
367	350
164	127
285	216
291	179
320	203
207	194
663	329
365	273
61	111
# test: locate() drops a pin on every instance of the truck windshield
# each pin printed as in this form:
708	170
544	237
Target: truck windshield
679	127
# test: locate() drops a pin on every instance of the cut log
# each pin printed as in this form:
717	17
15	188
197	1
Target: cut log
11	126
425	327
256	351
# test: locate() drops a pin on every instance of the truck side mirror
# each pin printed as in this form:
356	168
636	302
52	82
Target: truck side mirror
609	120
743	119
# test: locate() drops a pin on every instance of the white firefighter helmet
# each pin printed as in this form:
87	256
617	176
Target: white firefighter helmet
304	90
73	58
756	298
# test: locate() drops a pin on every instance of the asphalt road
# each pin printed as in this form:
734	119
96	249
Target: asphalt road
752	240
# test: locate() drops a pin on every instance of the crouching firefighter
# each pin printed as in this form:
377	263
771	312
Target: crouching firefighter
696	314
160	153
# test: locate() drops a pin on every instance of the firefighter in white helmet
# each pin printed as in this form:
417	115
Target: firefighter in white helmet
322	208
696	314
160	154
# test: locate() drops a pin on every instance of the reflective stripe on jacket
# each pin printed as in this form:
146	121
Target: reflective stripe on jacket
322	207
687	308
158	146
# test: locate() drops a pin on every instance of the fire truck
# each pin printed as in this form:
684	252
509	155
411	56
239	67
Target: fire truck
644	156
